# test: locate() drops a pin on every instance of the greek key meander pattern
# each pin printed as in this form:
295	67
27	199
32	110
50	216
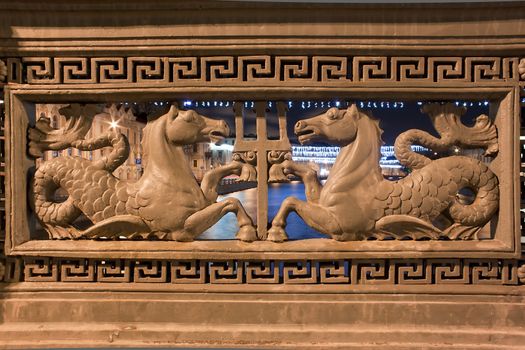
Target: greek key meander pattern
354	272
263	69
249	69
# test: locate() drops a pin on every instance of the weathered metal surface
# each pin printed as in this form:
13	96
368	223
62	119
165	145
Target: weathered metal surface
295	294
358	203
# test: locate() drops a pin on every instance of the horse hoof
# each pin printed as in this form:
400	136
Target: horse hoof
277	234
247	233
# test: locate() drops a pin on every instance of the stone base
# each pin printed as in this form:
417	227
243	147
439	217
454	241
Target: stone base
111	315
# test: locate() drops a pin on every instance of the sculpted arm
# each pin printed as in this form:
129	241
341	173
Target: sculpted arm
309	177
211	179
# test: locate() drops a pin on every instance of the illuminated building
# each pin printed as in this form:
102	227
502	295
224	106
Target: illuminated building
199	158
325	156
222	154
120	118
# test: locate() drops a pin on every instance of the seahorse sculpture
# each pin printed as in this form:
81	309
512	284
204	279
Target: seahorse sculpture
356	202
165	203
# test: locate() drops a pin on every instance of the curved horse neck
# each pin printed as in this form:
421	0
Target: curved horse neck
166	162
357	164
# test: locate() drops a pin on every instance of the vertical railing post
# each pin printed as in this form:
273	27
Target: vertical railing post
262	146
262	170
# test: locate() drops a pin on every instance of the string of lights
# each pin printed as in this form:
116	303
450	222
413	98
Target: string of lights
307	104
332	151
328	154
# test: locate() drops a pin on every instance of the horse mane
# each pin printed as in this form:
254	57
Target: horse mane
144	143
152	119
375	122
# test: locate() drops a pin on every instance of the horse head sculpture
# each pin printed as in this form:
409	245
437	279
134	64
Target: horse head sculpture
337	126
186	127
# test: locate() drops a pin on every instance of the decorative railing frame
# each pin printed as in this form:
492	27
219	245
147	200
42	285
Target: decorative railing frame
59	293
243	77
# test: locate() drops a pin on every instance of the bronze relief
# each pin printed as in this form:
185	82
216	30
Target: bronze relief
357	203
165	203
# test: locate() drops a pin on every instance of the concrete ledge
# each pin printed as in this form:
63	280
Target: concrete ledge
57	335
118	318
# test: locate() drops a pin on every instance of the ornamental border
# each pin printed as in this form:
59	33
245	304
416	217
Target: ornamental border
265	70
344	271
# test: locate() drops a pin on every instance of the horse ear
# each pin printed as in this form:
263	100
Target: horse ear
174	109
354	112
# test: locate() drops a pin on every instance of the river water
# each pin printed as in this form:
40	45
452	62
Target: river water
296	228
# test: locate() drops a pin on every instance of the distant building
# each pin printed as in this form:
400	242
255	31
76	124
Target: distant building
222	154
325	156
120	118
201	157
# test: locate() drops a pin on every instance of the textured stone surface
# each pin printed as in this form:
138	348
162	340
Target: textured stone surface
307	294
444	318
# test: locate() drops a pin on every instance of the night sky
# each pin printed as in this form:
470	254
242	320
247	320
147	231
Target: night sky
393	120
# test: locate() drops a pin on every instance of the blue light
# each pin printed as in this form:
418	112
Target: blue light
305	104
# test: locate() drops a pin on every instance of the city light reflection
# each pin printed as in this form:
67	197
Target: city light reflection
277	192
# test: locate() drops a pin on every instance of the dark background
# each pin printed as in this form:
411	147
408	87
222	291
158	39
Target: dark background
395	116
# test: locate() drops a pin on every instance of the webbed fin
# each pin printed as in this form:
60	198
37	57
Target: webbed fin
121	225
401	226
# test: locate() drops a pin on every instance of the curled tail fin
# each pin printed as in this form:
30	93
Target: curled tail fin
446	119
43	137
47	209
79	118
473	174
